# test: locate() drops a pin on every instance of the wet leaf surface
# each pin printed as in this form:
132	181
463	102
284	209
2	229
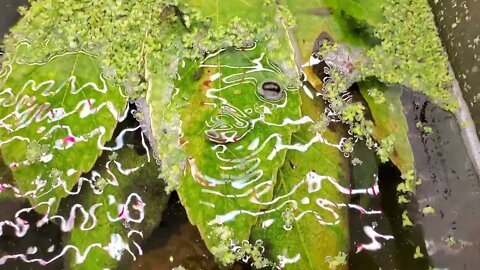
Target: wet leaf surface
389	120
234	139
364	11
56	116
203	123
307	220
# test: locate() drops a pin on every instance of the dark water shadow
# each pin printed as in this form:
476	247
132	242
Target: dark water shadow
458	24
176	242
45	237
394	254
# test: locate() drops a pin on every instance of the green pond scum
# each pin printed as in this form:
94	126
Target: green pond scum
248	110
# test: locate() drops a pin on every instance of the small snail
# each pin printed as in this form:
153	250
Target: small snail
270	91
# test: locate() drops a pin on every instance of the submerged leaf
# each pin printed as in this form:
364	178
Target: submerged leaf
7	185
127	201
367	11
313	19
391	127
55	116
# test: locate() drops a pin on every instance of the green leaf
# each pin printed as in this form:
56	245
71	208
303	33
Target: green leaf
233	136
161	118
390	122
220	12
317	234
369	11
179	112
109	204
56	116
308	13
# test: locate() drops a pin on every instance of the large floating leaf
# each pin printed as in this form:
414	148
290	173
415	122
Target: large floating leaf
180	127
304	191
390	120
55	117
118	210
234	138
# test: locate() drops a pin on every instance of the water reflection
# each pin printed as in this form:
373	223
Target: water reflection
450	186
175	242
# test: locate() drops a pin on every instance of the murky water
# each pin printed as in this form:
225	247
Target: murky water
8	14
459	27
450	186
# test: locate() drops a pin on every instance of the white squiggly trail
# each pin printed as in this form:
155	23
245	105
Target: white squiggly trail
67	225
116	248
313	182
119	140
373	235
21	226
39	113
283	260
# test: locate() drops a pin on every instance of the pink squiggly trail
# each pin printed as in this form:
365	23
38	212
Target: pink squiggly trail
373	235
